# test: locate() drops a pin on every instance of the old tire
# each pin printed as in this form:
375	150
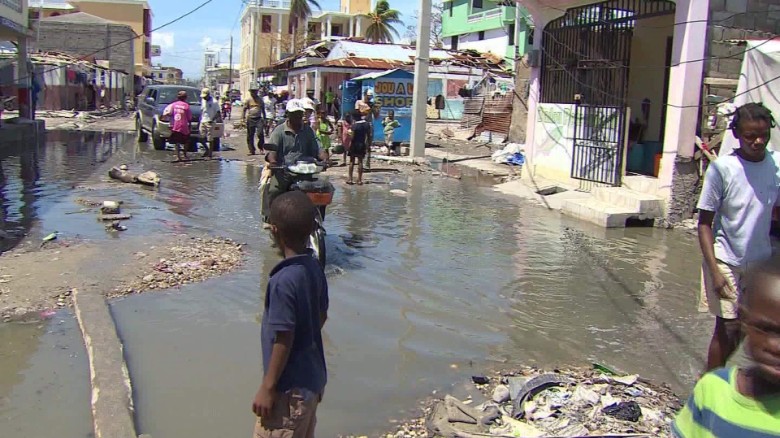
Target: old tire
143	136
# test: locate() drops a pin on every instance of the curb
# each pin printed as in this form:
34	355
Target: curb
112	395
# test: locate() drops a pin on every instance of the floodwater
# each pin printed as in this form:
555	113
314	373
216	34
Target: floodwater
426	288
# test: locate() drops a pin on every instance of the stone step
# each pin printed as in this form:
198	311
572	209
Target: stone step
646	204
600	213
641	183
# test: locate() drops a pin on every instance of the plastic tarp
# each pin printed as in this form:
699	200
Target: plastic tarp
761	65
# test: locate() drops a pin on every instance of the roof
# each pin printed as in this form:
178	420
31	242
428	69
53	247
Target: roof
79	17
369	63
395	52
49	4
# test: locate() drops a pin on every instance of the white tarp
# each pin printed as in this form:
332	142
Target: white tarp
761	65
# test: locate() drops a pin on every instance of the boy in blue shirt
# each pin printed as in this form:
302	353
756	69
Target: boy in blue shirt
743	402
296	306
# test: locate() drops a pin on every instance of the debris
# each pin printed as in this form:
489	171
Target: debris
49	237
480	380
626	411
501	394
604	369
398	192
147	178
116	226
535	385
114	217
626	380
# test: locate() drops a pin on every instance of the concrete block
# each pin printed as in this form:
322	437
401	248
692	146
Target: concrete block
648	205
599	213
731	34
717	5
737	5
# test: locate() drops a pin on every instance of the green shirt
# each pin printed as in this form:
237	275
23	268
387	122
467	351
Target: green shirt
292	146
718	410
329	97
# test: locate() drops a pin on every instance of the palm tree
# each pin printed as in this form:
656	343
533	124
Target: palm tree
383	18
300	11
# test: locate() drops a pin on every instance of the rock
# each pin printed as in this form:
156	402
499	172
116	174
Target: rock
501	394
149	278
480	379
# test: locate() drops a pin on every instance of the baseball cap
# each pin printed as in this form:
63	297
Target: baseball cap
307	104
205	92
295	105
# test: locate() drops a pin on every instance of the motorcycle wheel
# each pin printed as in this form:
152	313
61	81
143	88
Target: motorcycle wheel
317	244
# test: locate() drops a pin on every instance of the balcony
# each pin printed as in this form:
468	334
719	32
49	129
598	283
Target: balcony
279	4
486	15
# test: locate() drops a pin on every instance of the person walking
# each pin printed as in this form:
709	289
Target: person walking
735	213
345	125
255	118
357	149
295	311
367	112
324	131
179	115
269	100
330	98
210	115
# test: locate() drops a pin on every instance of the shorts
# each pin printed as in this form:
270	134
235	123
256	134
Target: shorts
357	150
294	416
179	138
710	300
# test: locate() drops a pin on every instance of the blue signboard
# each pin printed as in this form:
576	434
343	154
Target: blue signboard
392	91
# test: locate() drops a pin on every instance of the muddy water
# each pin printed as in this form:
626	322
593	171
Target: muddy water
426	288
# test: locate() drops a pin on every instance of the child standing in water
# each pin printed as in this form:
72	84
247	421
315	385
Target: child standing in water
324	131
390	125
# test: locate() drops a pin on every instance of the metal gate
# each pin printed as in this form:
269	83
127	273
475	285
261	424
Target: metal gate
587	55
598	143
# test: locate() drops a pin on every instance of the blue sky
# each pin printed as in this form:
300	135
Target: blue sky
183	42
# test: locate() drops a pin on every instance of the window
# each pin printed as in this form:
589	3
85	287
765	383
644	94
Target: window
147	22
147	50
266	25
481	35
454	43
510	33
336	30
531	37
476	4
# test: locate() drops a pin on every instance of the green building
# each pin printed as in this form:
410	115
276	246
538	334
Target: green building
485	26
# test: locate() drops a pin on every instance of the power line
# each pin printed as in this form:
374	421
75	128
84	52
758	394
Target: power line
83	58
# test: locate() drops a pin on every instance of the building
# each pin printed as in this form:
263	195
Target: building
167	75
486	26
269	35
616	93
134	13
87	36
217	78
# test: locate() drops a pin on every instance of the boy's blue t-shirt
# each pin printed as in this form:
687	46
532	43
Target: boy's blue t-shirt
296	294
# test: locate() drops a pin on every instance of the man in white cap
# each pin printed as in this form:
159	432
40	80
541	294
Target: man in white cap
210	115
293	141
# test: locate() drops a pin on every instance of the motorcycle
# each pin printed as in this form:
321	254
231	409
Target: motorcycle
303	177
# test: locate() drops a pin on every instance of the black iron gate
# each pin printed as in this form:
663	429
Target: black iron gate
587	56
599	132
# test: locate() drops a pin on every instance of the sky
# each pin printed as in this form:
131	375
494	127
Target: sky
210	28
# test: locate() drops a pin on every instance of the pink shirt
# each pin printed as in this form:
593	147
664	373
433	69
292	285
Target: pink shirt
346	140
180	116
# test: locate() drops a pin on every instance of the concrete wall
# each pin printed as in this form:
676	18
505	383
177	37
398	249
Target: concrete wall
103	42
496	41
124	13
16	12
646	75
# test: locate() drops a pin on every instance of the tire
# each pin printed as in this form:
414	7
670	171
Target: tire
143	136
159	142
317	244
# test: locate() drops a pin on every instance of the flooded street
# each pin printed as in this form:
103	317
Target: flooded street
426	288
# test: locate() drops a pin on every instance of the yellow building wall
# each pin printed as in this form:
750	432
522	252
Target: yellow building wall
129	14
356	6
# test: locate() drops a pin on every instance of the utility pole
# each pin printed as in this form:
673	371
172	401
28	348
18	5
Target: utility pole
230	71
420	96
255	12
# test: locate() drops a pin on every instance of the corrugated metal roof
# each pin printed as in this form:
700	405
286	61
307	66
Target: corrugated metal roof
375	75
394	52
79	17
370	63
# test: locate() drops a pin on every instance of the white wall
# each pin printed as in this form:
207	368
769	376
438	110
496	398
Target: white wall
495	42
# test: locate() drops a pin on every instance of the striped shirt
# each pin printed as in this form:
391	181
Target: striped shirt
718	410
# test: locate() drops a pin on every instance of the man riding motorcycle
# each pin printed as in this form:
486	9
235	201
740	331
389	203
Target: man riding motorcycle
292	141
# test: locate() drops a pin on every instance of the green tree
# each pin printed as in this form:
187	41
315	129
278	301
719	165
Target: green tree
300	11
383	19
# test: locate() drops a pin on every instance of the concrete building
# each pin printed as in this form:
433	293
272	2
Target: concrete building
83	35
14	27
486	26
268	32
134	13
615	97
167	75
217	78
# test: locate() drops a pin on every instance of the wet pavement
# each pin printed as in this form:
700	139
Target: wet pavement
426	288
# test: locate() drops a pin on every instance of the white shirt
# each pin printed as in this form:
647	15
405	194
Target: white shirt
269	106
742	194
209	110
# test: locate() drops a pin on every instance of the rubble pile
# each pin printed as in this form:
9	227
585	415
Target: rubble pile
564	403
193	260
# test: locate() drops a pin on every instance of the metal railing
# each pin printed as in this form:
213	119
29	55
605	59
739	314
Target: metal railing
492	13
283	4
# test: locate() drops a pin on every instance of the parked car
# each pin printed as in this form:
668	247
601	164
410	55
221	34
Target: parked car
150	106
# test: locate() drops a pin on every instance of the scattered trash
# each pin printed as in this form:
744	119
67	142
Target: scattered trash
48	313
116	226
110	207
114	217
49	237
398	192
513	153
573	402
604	369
